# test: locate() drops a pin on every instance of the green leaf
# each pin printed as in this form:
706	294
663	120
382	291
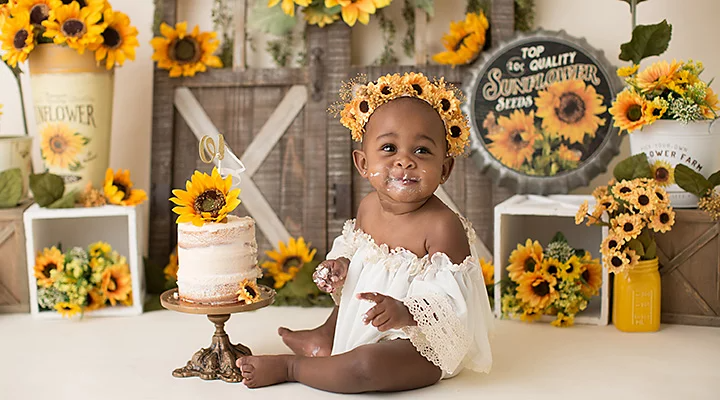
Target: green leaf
647	40
691	181
645	238
559	237
651	251
714	179
426	5
633	167
636	245
67	201
46	188
270	19
10	187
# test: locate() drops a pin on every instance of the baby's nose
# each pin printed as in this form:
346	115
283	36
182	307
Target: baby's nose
404	162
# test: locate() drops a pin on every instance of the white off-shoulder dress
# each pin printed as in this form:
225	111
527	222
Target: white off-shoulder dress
449	301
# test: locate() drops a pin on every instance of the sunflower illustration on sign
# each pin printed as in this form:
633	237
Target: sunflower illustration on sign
60	146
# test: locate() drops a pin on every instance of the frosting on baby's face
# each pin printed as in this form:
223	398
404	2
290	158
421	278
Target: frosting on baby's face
404	151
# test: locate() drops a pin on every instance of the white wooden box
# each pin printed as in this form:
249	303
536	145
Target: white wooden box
116	225
523	217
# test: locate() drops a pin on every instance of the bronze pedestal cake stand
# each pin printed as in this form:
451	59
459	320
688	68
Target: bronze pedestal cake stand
218	360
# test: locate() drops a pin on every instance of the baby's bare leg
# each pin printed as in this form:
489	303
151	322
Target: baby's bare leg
380	367
314	342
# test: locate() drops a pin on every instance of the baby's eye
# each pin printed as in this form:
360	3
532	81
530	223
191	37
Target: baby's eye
388	148
422	150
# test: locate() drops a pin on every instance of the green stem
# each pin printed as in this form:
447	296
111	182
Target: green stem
633	12
22	104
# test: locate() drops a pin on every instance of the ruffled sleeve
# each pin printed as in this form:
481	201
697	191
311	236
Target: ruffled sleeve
344	245
450	305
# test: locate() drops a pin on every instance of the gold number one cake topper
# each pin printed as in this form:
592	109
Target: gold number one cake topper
209	152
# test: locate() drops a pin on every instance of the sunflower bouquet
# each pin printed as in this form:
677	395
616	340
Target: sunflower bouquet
558	280
635	207
82	280
465	40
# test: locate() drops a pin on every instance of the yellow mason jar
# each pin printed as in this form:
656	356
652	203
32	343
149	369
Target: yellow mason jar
636	298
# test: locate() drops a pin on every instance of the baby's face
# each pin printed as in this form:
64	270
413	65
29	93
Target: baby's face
405	150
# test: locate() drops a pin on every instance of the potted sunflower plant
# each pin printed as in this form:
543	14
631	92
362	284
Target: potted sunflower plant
72	48
668	110
633	208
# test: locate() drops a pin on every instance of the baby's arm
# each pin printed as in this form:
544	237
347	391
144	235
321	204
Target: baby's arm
330	275
387	313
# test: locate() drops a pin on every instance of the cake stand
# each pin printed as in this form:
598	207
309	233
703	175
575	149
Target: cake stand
218	360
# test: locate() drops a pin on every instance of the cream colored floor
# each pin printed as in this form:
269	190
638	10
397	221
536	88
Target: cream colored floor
131	358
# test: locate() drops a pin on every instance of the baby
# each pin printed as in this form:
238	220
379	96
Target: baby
411	301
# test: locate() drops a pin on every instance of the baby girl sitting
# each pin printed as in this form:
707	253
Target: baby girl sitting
411	301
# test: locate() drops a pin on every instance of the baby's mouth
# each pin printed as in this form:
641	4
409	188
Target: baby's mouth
404	179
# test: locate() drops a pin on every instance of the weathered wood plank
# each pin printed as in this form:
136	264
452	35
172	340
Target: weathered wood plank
239	47
431	71
703	320
227	77
293	176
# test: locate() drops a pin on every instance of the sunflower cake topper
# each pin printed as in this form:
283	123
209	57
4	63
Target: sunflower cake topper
359	100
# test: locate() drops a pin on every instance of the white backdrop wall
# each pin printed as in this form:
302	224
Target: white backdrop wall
604	23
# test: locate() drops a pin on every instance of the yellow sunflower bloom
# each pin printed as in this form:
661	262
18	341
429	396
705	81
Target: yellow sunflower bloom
563	321
67	309
657	76
551	267
567	154
608	204
171	269
318	16
624	72
39	10
116	283
571	270
18	38
100	249
119	189
712	104
627	111
632	257
288	6
591	276
465	40
616	262
537	290
513	142
627	226
488	271
661	196
642	200
118	40
249	292
95	300
662	220
611	244
530	315
45	262
663	173
76	27
185	54
288	261
60	145
581	213
624	189
524	259
357	10
570	109
206	198
654	110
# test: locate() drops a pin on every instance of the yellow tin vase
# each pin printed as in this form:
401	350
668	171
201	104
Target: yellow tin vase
72	99
636	298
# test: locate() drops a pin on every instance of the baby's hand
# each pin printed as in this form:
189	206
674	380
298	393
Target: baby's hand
388	313
330	274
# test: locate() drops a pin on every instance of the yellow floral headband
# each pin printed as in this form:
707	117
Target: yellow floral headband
358	104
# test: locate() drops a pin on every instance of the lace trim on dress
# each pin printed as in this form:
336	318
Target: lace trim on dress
439	336
402	256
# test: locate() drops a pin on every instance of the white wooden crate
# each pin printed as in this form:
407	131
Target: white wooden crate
523	217
116	225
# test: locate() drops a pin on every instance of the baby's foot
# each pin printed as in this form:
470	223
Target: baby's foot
259	371
310	343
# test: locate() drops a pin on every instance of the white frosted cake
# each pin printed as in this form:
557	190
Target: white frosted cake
215	258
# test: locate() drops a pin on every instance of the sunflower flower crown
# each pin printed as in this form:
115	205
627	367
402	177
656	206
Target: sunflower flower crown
359	99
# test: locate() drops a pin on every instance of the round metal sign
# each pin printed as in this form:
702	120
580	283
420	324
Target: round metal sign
538	108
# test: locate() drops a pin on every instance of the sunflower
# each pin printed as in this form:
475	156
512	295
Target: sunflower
571	270
570	109
119	190
616	262
632	257
45	262
627	111
530	314
661	195
319	16
712	104
95	300
39	10
357	10
591	276
206	198
624	72
171	269
567	154
76	27
581	213
67	309
608	203
116	283
563	321
18	38
288	261
663	173
99	249
628	226
488	271
465	40
60	145
642	200
662	220
657	76
513	142
655	109
537	290
288	6
623	190
185	54
249	292
551	267
526	258
118	40
611	243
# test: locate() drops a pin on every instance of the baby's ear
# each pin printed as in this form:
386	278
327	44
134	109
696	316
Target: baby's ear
360	161
447	168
